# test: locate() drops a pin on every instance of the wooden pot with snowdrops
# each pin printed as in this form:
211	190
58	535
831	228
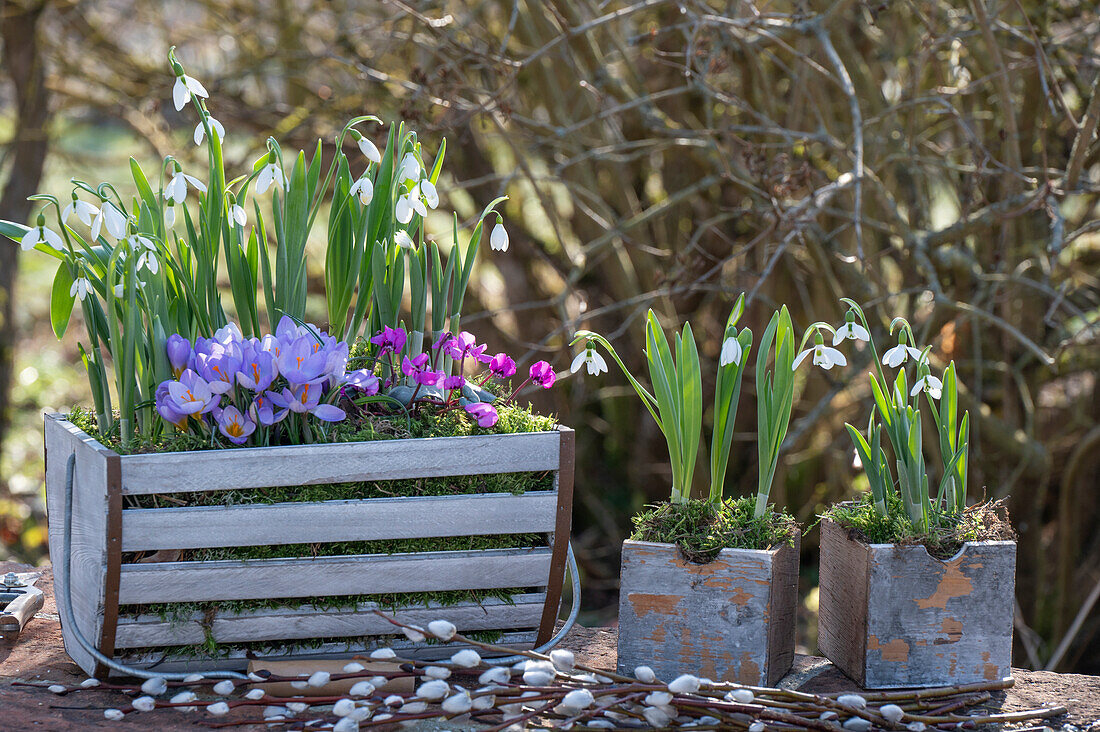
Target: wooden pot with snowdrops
916	587
259	489
709	587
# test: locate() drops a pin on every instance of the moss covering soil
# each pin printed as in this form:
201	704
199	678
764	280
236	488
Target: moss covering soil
702	529
948	531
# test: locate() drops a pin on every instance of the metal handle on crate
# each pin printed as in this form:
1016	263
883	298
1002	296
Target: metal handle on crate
65	605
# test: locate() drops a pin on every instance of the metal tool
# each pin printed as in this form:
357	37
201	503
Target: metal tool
19	601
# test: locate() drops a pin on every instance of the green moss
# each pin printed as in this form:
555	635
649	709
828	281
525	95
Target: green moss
947	532
702	529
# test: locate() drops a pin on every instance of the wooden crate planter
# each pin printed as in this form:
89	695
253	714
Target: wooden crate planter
102	530
732	619
892	616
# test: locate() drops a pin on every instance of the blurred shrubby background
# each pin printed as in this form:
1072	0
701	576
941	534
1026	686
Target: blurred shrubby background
933	159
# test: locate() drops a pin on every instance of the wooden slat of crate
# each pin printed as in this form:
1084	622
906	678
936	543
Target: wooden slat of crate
237	659
363	520
341	575
260	467
308	622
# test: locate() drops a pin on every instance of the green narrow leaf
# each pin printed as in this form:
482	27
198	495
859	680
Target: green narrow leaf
61	302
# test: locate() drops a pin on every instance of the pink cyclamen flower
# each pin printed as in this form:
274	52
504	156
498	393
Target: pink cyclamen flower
502	365
390	339
485	414
235	425
453	382
543	374
419	370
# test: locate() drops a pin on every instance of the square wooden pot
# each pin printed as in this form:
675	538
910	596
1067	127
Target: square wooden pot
732	619
103	529
892	616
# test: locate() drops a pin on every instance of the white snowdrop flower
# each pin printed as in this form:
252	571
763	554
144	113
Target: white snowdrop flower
578	699
756	726
442	629
111	218
113	714
645	674
196	678
437	672
184	87
216	126
892	712
297	707
170	215
144	703
731	352
741	696
828	716
155	686
458	704
563	660
928	383
364	189
403	240
271	173
176	190
41	235
148	260
369	149
224	688
255	694
346	724
432	690
410	167
657	699
84	211
381	654
319	678
343	707
218	709
852	700
56	688
416	200
684	684
656	717
485	702
402	211
89	683
362	688
851	331
592	359
495	675
429	193
238	214
824	356
414	707
897	355
467	658
498	238
119	290
353	667
916	726
857	724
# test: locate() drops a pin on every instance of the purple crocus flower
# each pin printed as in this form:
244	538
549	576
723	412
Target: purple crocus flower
306	398
363	380
502	366
272	345
485	414
180	355
191	394
165	407
263	410
219	363
543	374
454	382
228	334
300	362
235	425
258	369
287	330
390	339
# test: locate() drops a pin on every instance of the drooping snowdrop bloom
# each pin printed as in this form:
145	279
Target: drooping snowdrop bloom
238	214
429	193
928	383
498	238
184	88
41	234
824	356
364	189
897	355
403	240
852	331
170	215
591	358
407	205
271	173
80	288
147	256
215	126
369	150
110	217
176	190
410	167
83	210
731	352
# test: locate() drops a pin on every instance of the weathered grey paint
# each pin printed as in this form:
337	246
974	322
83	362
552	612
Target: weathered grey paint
920	621
727	620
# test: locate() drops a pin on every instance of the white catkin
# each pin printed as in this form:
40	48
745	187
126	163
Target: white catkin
892	712
916	726
255	694
381	654
319	678
113	714
495	675
645	674
656	717
183	697
393	700
155	686
218	709
144	704
194	678
414	707
353	667
270	712
297	707
741	696
299	684
485	702
416	635
433	690
379	681
756	726
346	724
89	683
467	658
458	704
437	672
827	716
855	701
56	688
343	707
857	724
362	688
578	699
224	688
563	660
658	699
442	629
684	684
